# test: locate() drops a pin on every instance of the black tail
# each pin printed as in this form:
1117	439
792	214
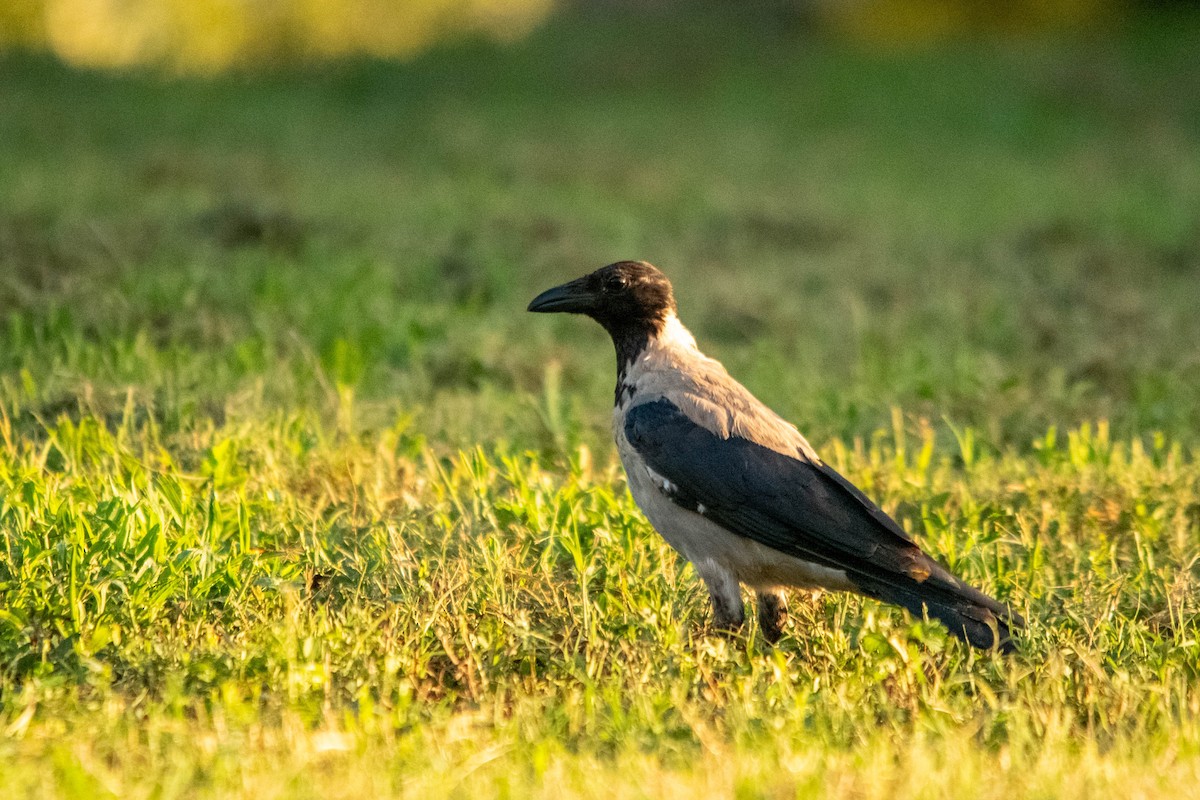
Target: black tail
970	614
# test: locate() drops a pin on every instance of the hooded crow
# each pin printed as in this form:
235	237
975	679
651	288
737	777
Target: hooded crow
737	490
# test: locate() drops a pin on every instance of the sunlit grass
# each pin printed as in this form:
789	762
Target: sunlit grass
333	601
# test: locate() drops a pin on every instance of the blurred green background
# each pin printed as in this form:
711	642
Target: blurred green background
984	214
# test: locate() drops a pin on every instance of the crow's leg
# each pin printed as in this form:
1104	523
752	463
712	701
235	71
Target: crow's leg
725	593
772	613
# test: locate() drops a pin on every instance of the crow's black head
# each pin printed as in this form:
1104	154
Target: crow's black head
628	297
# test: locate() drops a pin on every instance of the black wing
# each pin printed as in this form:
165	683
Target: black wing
799	507
807	510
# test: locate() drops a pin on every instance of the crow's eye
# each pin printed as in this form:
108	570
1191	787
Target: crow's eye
615	283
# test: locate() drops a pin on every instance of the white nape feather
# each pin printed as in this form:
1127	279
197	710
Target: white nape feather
674	336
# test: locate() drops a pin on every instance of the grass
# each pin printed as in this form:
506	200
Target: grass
295	500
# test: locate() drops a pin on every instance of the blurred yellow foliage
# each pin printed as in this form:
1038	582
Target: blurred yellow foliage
210	35
21	22
890	22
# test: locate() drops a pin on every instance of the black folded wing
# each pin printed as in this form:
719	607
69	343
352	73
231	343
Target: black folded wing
807	510
800	507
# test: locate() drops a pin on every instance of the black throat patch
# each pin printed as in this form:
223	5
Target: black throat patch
630	341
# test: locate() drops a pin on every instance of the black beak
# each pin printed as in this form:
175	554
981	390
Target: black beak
573	298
